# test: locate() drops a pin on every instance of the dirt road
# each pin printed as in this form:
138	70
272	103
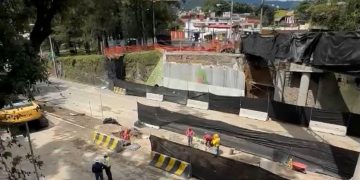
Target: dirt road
100	103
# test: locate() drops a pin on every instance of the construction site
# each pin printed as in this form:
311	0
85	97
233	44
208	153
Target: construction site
170	89
280	112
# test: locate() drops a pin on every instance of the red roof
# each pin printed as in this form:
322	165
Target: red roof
251	20
219	26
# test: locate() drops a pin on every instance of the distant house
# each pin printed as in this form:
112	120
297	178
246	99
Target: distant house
284	18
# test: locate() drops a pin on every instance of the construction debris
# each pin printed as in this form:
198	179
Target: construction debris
133	147
110	121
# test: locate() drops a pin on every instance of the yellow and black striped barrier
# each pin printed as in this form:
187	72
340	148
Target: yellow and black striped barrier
118	90
171	165
106	141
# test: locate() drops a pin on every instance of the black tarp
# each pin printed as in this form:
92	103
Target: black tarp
340	48
258	46
175	95
207	166
224	103
132	89
333	51
198	96
254	104
115	68
318	156
331	117
302	46
289	113
353	124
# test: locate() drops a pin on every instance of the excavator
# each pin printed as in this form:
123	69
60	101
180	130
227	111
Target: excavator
20	112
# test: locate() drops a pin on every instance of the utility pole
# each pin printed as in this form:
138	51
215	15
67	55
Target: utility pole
53	56
31	150
261	14
231	16
189	19
153	18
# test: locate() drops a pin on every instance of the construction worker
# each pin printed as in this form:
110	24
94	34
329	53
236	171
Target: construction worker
207	138
97	169
189	134
216	142
107	166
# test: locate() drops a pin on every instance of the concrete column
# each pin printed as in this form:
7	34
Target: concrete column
303	89
279	85
357	171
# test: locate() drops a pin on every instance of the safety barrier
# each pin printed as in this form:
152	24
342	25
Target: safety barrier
205	165
318	156
170	164
261	109
215	46
106	141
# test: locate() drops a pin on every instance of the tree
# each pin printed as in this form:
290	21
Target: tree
25	24
268	14
302	10
337	16
221	6
11	159
243	8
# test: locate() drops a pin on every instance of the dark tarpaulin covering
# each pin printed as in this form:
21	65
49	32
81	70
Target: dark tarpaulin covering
206	166
340	48
281	47
171	95
258	46
199	96
333	51
318	156
224	103
353	124
175	95
132	89
296	47
331	117
155	90
301	46
115	68
289	113
254	104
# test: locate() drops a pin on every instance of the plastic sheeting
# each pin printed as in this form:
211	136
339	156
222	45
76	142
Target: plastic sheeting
340	48
207	166
334	51
176	96
254	104
171	95
331	117
224	104
289	113
318	156
132	89
353	124
188	76
198	96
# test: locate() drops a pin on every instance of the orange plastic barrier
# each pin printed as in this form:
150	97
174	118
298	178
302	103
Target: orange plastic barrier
213	46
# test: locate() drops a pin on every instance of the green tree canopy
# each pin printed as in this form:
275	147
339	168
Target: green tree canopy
336	15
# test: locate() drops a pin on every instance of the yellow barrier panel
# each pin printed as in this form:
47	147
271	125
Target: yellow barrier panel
171	165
